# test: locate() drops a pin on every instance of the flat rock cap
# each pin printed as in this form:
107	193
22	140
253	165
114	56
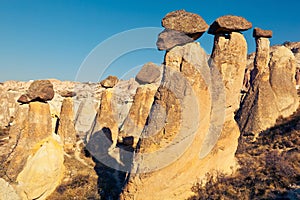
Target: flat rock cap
229	23
258	32
183	21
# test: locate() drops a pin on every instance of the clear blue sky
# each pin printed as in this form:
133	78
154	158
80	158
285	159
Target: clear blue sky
51	38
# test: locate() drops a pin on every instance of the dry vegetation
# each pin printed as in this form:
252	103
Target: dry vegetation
269	166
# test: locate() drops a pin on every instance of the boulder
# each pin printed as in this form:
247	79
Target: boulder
43	171
257	33
67	93
109	82
185	22
229	23
150	73
168	39
41	90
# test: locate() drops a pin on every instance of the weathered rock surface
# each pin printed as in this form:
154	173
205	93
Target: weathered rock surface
109	82
272	92
150	73
229	23
178	124
229	57
168	39
258	32
138	113
282	80
66	128
43	171
186	22
40	90
7	192
262	57
30	128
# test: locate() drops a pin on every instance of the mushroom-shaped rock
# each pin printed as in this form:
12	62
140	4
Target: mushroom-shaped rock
229	23
150	73
258	32
109	82
186	22
168	39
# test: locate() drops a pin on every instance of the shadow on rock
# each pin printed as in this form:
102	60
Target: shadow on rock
112	165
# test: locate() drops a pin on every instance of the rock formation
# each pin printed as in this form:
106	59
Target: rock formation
43	171
171	143
229	57
272	91
66	128
138	114
155	136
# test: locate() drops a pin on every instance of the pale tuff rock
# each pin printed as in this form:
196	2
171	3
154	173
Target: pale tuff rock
7	192
229	23
43	171
176	129
32	125
282	80
66	128
273	91
150	73
183	21
138	113
85	115
229	56
262	58
106	118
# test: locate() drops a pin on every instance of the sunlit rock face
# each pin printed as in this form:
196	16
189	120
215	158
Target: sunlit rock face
173	146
